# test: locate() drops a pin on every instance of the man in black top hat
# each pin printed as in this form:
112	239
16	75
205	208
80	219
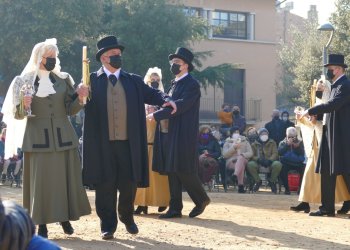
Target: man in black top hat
115	139
175	145
333	158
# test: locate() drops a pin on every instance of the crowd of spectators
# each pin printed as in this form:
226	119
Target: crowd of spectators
233	154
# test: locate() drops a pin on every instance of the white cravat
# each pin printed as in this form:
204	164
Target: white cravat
45	85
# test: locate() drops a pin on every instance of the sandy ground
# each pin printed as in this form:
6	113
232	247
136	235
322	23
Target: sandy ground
231	221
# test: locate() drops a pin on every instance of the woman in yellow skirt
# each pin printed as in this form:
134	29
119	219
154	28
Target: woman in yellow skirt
157	194
310	191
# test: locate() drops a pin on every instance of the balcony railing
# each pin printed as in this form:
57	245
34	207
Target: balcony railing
209	107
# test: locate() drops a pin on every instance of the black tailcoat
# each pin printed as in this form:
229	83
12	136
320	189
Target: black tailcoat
97	165
183	129
337	111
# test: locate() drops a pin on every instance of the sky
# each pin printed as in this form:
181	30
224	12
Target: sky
324	8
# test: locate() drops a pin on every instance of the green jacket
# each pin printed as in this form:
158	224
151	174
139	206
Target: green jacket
266	150
50	130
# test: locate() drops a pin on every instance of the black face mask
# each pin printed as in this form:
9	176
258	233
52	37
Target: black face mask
50	63
236	112
175	68
330	74
155	84
319	94
115	61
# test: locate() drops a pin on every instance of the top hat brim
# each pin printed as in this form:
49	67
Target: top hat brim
103	50
190	65
336	64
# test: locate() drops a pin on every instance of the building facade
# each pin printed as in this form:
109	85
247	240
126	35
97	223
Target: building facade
242	33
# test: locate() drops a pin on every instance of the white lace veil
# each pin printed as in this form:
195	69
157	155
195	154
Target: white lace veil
151	71
16	128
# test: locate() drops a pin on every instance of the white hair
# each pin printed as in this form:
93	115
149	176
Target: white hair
156	71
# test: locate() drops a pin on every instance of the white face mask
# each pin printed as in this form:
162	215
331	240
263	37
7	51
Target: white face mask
235	136
264	138
285	118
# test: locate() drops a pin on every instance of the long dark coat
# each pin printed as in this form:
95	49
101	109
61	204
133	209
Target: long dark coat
97	162
337	111
183	129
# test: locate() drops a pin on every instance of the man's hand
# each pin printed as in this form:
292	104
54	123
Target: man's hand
172	104
82	91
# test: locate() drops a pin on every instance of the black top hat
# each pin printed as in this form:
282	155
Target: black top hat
107	43
185	55
336	59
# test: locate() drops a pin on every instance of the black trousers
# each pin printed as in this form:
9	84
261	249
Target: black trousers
178	180
106	193
328	180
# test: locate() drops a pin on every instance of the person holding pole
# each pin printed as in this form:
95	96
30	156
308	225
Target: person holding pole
36	110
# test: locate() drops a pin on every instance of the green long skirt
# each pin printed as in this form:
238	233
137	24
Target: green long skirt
52	187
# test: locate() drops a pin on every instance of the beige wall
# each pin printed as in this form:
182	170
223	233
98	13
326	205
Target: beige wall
258	57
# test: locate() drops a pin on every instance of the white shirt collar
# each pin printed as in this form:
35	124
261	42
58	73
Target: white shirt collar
338	78
108	73
183	76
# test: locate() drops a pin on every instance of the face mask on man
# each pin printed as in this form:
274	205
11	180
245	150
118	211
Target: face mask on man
264	138
285	118
175	68
50	63
235	112
155	84
115	61
330	74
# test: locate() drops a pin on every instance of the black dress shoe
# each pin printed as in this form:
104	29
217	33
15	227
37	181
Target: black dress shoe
42	231
303	206
107	235
67	227
197	210
161	209
345	208
132	228
141	209
273	187
257	186
170	214
322	213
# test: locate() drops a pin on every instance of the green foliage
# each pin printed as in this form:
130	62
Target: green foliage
301	62
27	22
150	30
341	21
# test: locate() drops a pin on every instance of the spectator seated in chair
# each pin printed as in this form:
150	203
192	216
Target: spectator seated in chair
209	151
225	117
292	156
237	151
264	159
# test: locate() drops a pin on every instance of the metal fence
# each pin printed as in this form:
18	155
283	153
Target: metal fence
209	107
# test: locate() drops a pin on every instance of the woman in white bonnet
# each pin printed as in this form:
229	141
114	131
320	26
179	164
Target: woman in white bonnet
157	194
52	182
